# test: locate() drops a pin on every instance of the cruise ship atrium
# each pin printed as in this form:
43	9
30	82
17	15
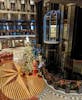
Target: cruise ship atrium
40	50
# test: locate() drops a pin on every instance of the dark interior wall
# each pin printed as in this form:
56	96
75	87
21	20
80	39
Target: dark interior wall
77	35
39	21
54	6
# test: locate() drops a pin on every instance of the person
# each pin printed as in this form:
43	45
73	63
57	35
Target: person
41	65
40	57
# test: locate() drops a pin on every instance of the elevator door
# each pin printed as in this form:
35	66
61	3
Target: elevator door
53	61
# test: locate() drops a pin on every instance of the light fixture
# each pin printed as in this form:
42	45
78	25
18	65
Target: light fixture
27	39
31	2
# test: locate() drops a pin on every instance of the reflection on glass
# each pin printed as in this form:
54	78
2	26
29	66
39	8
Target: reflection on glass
53	32
51	26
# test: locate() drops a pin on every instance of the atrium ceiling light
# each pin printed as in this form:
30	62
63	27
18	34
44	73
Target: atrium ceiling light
1	0
22	1
31	2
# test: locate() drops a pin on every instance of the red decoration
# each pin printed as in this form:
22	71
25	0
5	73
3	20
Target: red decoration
5	56
35	66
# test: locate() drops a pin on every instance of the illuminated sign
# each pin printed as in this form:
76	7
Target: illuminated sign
53	31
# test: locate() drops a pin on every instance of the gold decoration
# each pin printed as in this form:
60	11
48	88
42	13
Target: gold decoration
17	85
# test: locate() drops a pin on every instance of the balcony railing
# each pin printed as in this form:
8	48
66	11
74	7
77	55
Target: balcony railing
16	36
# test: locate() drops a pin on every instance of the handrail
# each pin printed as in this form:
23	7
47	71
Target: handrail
14	36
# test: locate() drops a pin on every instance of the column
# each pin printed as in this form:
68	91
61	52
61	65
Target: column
34	8
61	37
10	43
5	3
62	21
70	20
26	6
9	16
0	45
28	9
13	43
19	16
70	31
8	4
18	5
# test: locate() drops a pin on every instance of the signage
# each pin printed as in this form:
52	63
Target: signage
53	31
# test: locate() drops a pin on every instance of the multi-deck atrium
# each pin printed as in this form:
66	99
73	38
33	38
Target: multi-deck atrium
40	50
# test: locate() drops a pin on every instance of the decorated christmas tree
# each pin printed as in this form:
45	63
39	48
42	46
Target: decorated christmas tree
28	58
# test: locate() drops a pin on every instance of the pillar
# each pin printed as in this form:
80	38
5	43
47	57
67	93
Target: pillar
62	21
70	33
39	21
70	22
8	4
28	9
61	36
18	5
9	16
0	45
19	16
13	43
